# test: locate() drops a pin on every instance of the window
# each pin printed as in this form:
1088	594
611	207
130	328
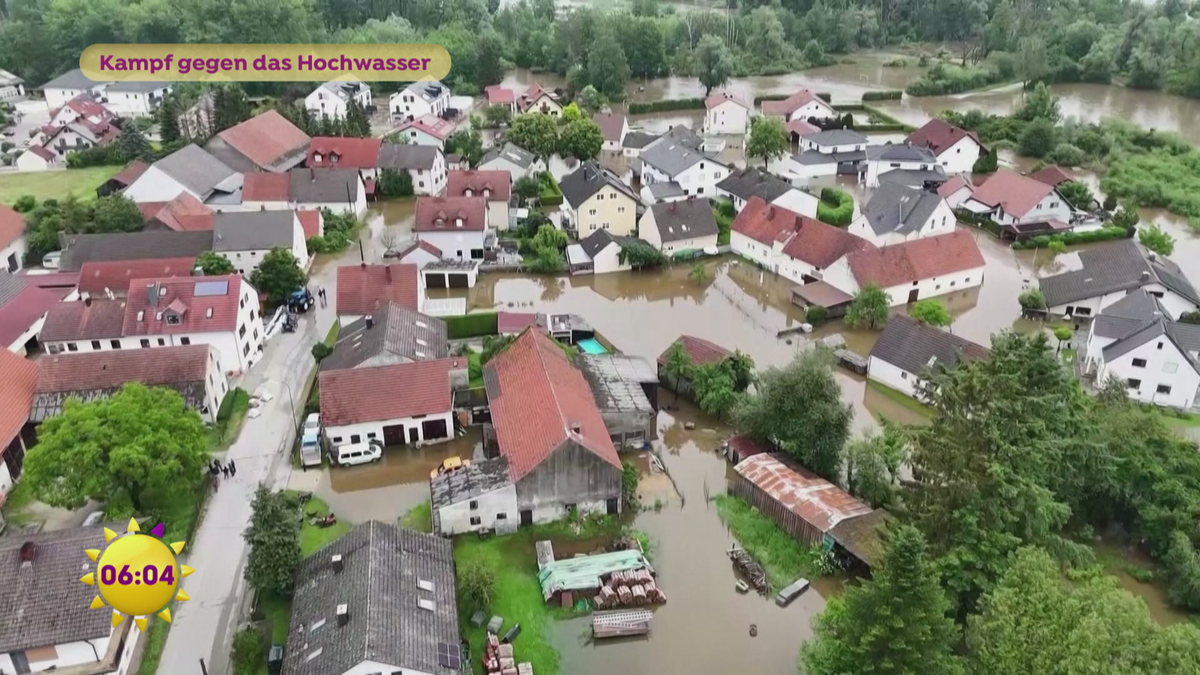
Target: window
337	439
162	342
474	504
96	345
425	585
185	341
141	315
1159	346
1163	389
255	333
592	212
242	330
501	516
476	520
242	302
115	344
251	314
903	375
145	344
1139	363
371	435
72	347
620	209
1133	384
246	350
174	319
1170	367
355	438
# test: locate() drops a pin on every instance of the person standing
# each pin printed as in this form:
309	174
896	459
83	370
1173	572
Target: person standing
232	468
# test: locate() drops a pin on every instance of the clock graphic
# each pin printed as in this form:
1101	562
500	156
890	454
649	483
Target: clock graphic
137	575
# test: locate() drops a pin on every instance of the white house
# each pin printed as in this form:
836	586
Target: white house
37	158
896	214
803	105
1008	198
420	99
11	86
743	184
339	190
669	161
427	130
13	244
827	153
514	159
882	159
69	85
614	126
494	186
245	237
425	164
913	270
956	150
188	169
481	496
332	99
80	135
365	289
83	106
131	99
415	252
672	227
799	248
398	404
1103	274
956	190
632	145
594	198
23	309
906	348
457	226
603	250
339	152
536	99
726	113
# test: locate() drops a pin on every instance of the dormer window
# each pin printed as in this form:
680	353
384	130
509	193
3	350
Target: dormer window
469	192
333	158
440	222
458	222
487	194
173	318
317	157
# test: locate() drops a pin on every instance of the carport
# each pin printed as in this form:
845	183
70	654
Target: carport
451	274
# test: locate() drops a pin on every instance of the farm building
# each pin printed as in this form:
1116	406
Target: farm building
626	391
477	497
701	351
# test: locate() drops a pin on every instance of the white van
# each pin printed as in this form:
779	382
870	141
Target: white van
359	453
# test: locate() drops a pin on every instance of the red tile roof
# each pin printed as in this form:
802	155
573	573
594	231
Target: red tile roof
57	281
611	125
939	135
312	221
12	225
434	126
18	379
195	319
97	276
802	128
448	210
747	446
817	501
99	319
183	213
510	323
43	153
131	172
266	138
702	351
266	187
497	95
719	97
112	368
792	103
765	223
351	153
1017	194
498	182
539	401
25	303
358	395
531	96
1052	175
917	259
951	186
83	105
820	244
363	289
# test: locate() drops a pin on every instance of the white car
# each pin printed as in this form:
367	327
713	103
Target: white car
51	259
312	424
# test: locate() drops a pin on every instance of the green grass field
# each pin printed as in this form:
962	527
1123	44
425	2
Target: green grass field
783	558
54	184
313	538
901	398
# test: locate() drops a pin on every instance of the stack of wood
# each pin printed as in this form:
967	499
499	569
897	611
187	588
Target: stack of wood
750	569
629	588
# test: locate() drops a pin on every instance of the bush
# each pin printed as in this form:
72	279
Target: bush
891	95
1066	154
945	78
666	106
476	582
235	399
815	315
470	325
823	95
24	204
551	194
393	183
629	485
1032	299
249	652
1072	238
987	163
320	351
836	207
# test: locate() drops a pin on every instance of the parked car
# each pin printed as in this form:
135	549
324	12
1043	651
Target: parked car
448	465
359	453
310	449
51	259
312	424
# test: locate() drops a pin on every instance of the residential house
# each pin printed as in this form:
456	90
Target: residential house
1134	341
23	308
339	190
671	161
449	273
474	498
546	424
514	159
787	243
427	130
76	136
37	158
123	178
1008	198
188	169
244	238
82	248
603	251
341	152
458	226
801	106
659	193
536	99
340	624
414	252
913	270
956	150
495	186
132	99
626	391
906	347
673	227
110	278
594	198
614	126
56	630
1052	174
497	95
798	129
69	85
743	184
17	389
82	107
266	191
266	142
956	190
726	113
632	145
700	351
836	152
13	245
918	179
1103	274
393	334
195	371
420	99
184	213
882	159
397	404
897	213
426	165
11	86
332	99
365	289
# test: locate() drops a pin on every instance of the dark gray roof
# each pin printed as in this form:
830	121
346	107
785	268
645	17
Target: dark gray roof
672	157
253	230
72	79
684	219
42	602
47	404
81	248
1111	267
638	139
579	186
911	346
132	86
1170	275
397	156
468	483
812	157
747	183
895	208
1151	331
1128	315
598	240
683	135
1185	335
914	177
666	190
195	169
323	186
616	381
511	152
901	152
837	137
396	336
382	565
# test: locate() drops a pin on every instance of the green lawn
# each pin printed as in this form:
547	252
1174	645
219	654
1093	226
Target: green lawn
475	369
155	639
278	611
1181	420
230	418
54	184
15	502
419	517
783	558
313	538
901	398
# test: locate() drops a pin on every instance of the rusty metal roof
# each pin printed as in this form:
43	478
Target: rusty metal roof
819	502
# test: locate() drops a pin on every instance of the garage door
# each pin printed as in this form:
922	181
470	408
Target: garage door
432	429
435	280
393	435
457	280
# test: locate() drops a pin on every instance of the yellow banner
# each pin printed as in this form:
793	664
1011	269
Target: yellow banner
264	63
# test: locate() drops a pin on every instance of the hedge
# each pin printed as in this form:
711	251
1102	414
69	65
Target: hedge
551	194
1071	238
667	105
890	95
823	95
471	325
986	224
836	207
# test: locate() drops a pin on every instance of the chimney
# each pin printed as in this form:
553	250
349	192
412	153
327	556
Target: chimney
364	264
370	322
675	207
1145	275
343	615
312	175
771	212
337	566
87	299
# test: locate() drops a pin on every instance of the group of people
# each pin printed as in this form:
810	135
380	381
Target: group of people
321	296
226	470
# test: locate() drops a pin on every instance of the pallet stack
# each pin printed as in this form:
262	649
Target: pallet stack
498	659
629	588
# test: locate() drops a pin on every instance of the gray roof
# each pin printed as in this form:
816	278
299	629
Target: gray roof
912	346
11	286
396	156
42	602
344	90
323	186
895	208
253	230
1185	337
914	177
469	482
81	248
617	380
137	87
684	219
47	404
1128	315
837	137
1111	267
72	79
901	152
665	190
195	169
429	90
638	139
511	152
598	240
813	157
749	182
579	186
382	565
683	135
672	157
395	336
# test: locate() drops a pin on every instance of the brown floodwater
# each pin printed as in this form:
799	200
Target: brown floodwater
1117	558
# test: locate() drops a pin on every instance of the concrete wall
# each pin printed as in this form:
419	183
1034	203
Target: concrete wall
570	475
341	435
1090	306
69	654
55	98
1160	357
960	157
892	376
456	518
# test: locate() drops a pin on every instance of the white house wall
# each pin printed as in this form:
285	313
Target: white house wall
365	431
956	198
812	109
892	376
136	103
876	168
941	221
1183	382
797	201
56	98
156	186
726	118
608	209
960	157
12	257
455	244
456	518
68	654
609	260
934	287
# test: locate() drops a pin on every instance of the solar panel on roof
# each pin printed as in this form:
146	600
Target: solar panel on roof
207	288
449	656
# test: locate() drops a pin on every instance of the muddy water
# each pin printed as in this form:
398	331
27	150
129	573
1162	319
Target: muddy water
1117	559
704	627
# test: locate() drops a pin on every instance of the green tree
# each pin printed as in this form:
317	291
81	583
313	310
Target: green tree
894	623
591	99
607	68
714	62
1183	569
799	408
547	261
639	255
932	312
278	275
493	345
550	237
168	121
1077	193
274	540
490	68
1063	334
1126	216
133	145
1156	240
873	466
1033	60
535	132
678	365
814	54
527	188
713	388
581	139
476	582
571	112
467	143
230	107
116	213
214	264
645	48
768	139
1192	317
1039	104
498	115
743	369
395	183
138	448
869	308
356	124
1038	138
987	163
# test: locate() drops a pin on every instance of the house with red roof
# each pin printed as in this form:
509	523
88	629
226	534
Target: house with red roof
458	226
1052	175
700	351
494	186
726	113
427	130
13	244
956	149
787	243
123	178
266	191
110	278
23	308
37	158
18	383
497	95
184	213
1010	198
265	142
339	152
364	289
912	270
956	190
547	425
800	106
536	99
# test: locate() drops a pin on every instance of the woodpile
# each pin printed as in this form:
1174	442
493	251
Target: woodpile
498	659
629	588
750	569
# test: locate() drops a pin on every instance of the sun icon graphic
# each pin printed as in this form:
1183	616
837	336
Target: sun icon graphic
137	575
